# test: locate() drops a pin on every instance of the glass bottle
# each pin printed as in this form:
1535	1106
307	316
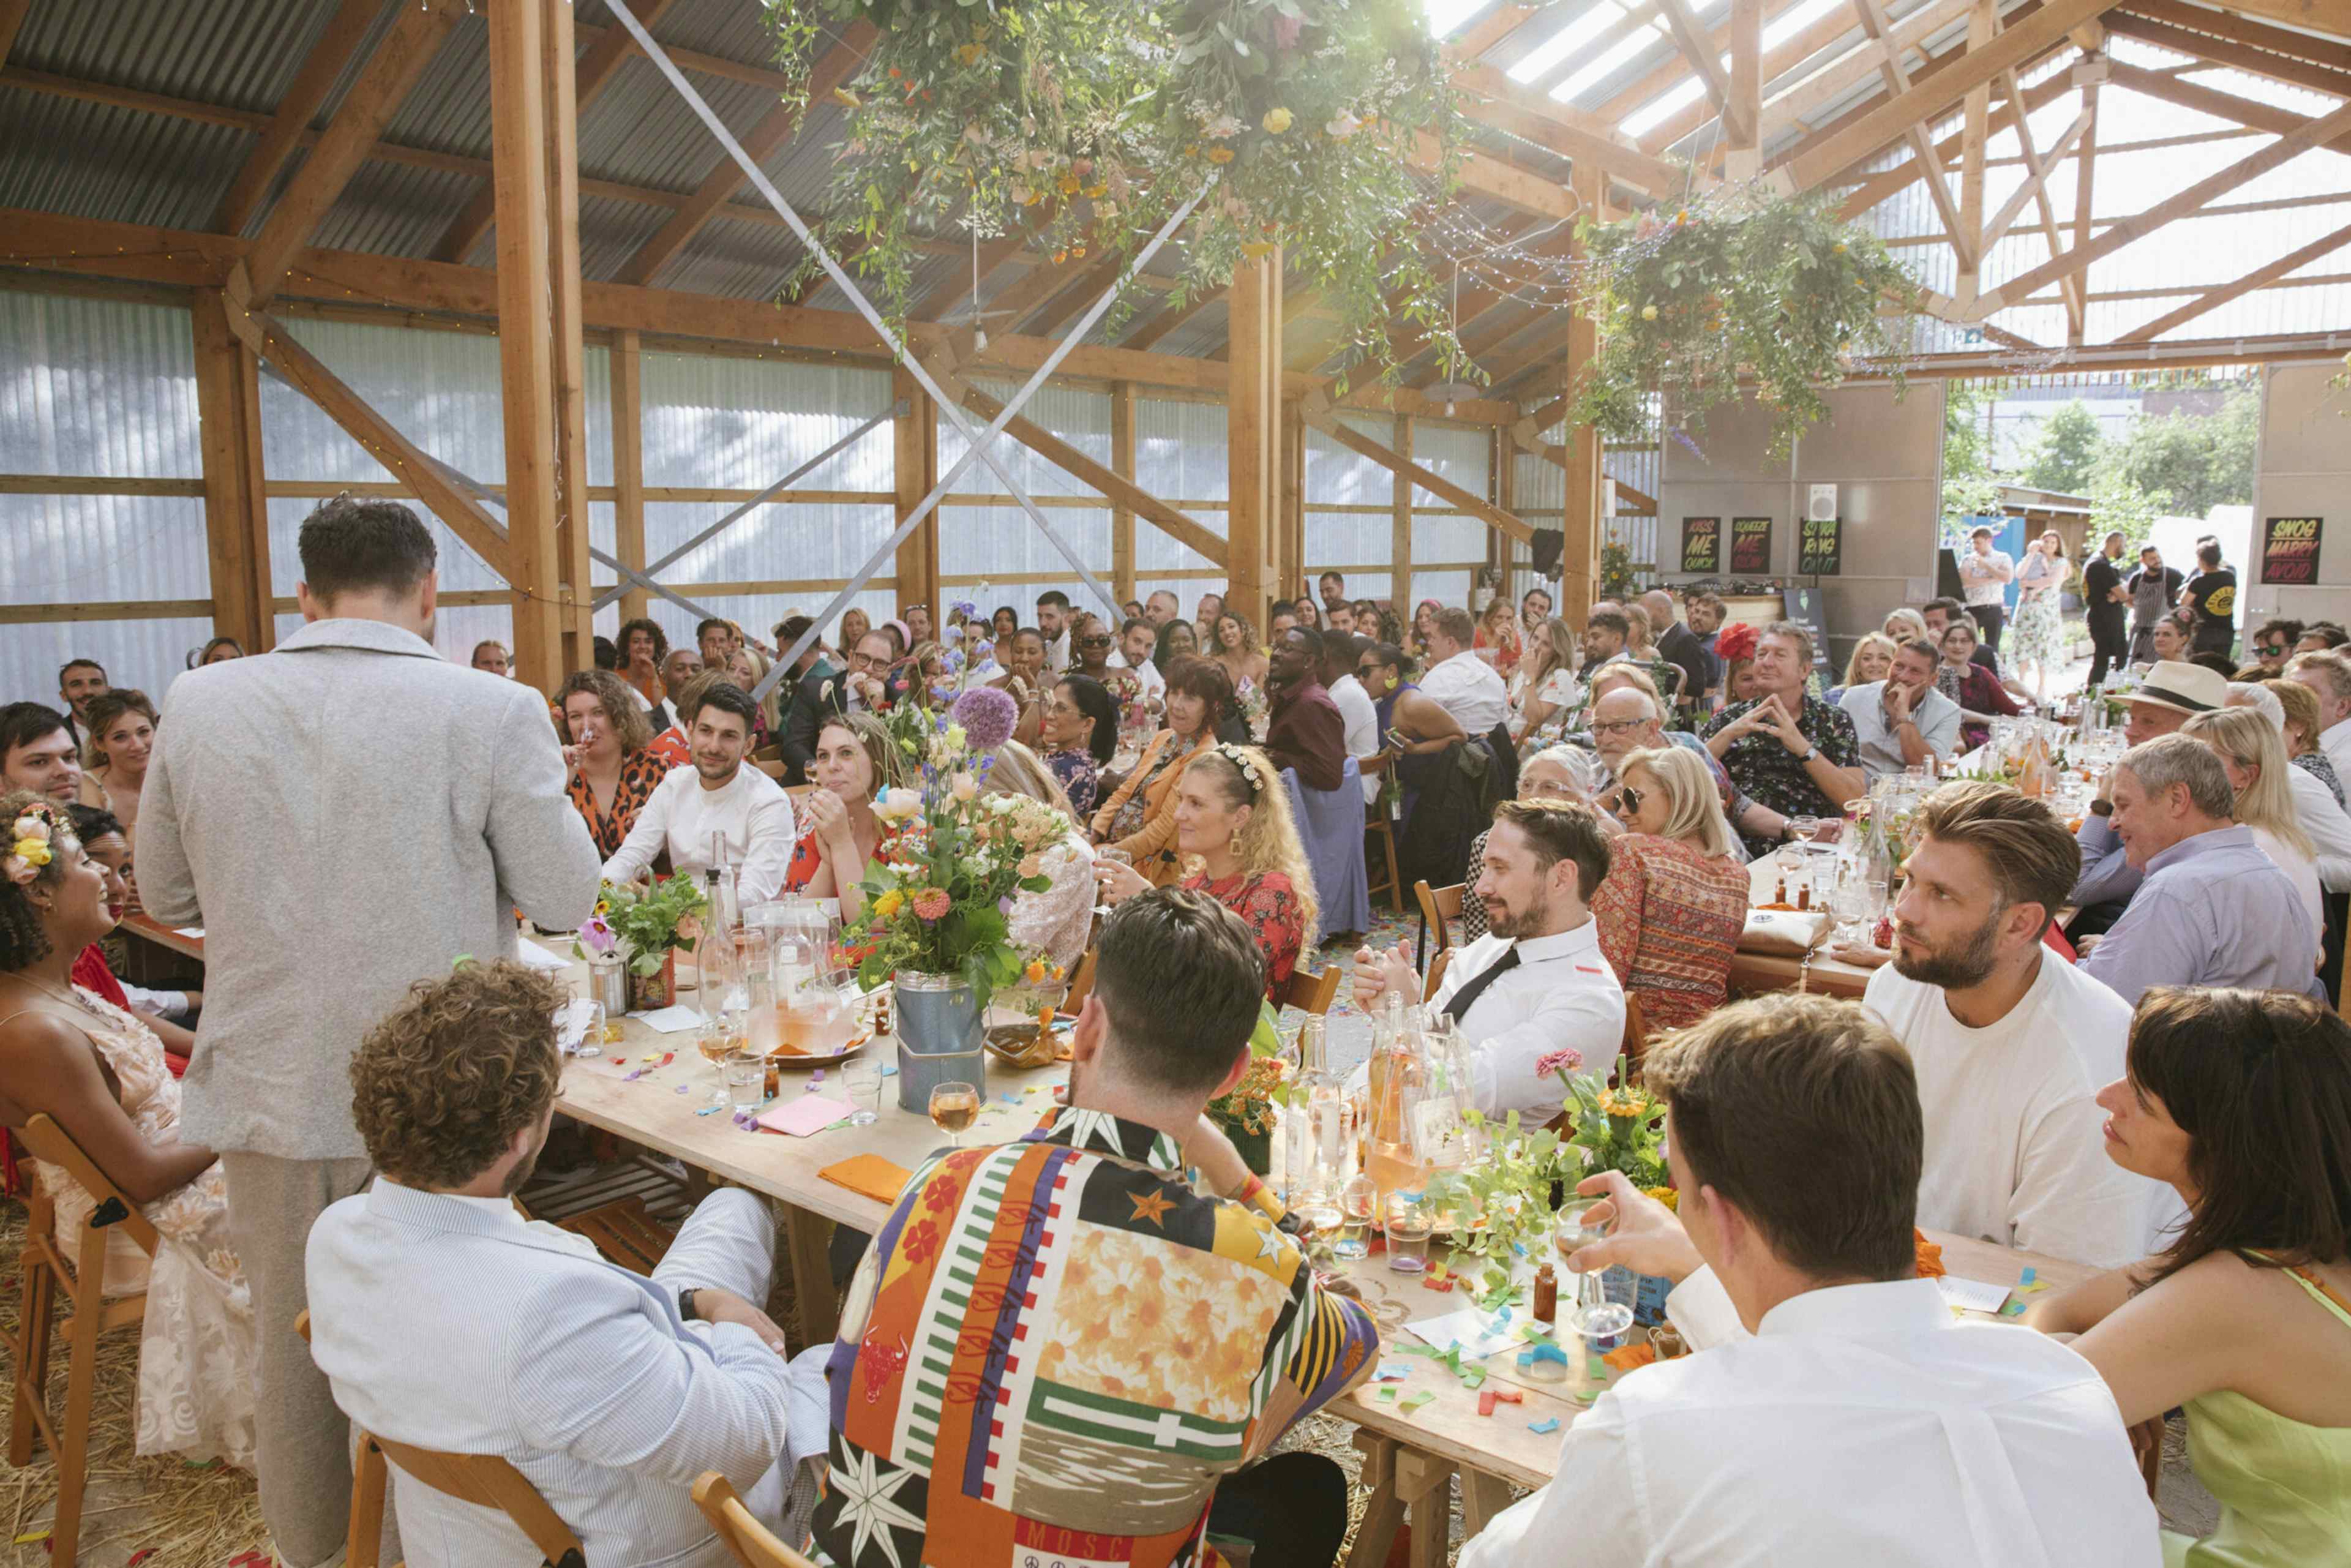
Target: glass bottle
1315	1157
1397	1086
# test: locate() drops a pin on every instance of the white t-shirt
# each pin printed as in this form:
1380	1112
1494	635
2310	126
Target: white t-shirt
1986	576
2015	1150
1155	684
2299	868
1466	687
1361	722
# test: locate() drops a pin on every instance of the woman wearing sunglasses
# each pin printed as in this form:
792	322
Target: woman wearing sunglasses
1675	899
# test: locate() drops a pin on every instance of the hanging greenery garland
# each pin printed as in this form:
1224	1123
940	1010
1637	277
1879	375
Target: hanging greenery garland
1739	290
1085	124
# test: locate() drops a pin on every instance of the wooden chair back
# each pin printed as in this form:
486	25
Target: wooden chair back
1436	968
1081	983
1311	991
1439	905
1380	873
1635	1043
485	1480
773	766
751	1544
48	1274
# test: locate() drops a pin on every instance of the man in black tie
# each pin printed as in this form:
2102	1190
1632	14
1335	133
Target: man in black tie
1535	986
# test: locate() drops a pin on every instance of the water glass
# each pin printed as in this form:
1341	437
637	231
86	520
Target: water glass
1356	1200
747	1079
862	1082
1110	857
1408	1227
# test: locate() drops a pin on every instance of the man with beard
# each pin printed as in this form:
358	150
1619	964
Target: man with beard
1535	985
717	796
1902	720
444	1318
2011	1043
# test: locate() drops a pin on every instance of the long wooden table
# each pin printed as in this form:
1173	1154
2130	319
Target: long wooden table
147	928
1409	1457
1752	972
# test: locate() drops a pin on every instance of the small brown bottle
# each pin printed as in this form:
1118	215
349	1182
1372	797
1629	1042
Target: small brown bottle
1546	1295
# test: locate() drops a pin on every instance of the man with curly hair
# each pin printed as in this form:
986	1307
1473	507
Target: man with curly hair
444	1318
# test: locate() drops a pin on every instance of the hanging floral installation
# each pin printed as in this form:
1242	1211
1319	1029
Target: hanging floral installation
1738	291
1085	124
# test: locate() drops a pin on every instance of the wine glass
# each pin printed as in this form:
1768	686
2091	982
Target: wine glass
1111	857
1593	1317
955	1106
1804	830
719	1038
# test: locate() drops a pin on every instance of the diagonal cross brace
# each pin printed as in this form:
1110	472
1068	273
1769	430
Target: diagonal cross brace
981	447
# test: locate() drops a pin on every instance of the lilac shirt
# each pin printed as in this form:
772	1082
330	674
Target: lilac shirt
2213	911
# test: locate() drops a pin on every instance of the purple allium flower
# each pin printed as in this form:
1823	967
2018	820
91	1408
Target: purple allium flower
986	716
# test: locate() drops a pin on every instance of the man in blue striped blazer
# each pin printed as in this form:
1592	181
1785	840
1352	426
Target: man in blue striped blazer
446	1319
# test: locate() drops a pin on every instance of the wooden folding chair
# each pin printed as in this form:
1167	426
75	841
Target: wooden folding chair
773	766
1311	991
1436	968
752	1544
1082	984
1437	906
625	1232
484	1479
46	1273
1635	1043
1379	848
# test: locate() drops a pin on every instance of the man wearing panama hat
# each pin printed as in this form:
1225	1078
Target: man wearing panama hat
2173	691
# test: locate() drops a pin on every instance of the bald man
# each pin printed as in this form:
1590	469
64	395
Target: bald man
1676	643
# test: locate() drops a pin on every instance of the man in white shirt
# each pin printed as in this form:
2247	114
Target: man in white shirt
1534	989
444	1318
1984	575
2322	821
1161	608
1903	720
1053	621
1136	639
2329	676
1341	653
1459	682
1605	633
720	794
1834	1410
2011	1043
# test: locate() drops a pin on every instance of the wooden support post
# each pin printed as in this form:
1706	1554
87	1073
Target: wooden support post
1122	462
575	634
628	464
1400	525
526	341
237	509
1743	117
1983	22
1578	559
2076	319
916	459
1505	464
1253	433
1294	566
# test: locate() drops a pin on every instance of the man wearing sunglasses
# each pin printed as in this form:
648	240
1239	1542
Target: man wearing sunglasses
2272	644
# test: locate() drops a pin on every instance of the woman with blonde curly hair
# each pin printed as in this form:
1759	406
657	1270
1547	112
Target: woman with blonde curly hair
1873	656
1240	847
747	667
1058	922
2254	753
1544	686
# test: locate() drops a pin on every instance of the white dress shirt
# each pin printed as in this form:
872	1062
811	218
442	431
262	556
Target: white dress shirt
1361	729
752	810
1057	652
2336	741
1155	684
2015	1152
2328	827
1860	1425
1562	994
1465	687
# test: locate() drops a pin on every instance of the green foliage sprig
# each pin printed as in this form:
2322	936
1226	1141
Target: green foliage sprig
644	926
1738	290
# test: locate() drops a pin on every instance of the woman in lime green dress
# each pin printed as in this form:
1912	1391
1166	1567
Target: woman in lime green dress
2242	1101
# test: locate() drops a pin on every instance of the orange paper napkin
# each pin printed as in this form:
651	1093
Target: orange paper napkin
869	1176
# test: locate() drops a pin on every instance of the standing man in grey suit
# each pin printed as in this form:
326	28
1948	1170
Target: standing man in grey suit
344	817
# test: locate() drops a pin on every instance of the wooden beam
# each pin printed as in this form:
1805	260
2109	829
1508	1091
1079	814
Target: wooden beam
1122	462
1567	131
993	254
2260	278
321	68
556	78
1323	417
629	465
1253	433
1172	317
1743	125
527	374
1488	176
1586	483
236	506
1677	125
1009	308
835	66
2311	133
1832	81
1983	25
596	71
2037	172
422	28
2332	53
2246	111
1185	530
693	61
914	470
1400	523
2036	178
1908	173
1698	49
1964	233
12	21
2192	40
1080	296
1929	96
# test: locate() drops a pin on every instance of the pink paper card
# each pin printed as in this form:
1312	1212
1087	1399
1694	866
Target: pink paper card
804	1114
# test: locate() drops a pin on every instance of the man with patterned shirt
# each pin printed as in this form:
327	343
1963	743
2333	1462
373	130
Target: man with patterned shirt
1788	752
1056	1351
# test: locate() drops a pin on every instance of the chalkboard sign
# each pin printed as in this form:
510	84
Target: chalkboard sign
1750	544
2290	550
1819	547
1702	543
1806	607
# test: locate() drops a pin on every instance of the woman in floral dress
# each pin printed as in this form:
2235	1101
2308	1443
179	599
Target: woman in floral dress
2037	640
99	1074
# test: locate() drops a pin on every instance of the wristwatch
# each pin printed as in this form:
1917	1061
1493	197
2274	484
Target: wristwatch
685	1303
1808	756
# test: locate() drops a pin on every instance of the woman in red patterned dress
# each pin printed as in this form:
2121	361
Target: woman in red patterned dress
1240	847
605	739
1674	901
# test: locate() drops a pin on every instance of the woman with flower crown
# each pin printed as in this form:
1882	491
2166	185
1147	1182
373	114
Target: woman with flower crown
1239	846
99	1072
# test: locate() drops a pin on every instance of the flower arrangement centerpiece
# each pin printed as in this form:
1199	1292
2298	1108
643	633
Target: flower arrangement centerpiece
938	894
1618	1129
1736	286
1245	1112
1502	1204
1086	124
645	929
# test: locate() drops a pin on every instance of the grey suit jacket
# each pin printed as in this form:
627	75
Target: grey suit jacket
443	1323
344	817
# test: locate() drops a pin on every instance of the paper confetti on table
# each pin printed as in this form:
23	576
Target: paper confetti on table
1385	1391
1473	1378
1548	1424
1509	1396
1624	1358
2030	1286
1485	1402
1542	1351
1430	1282
635	1073
1437	1270
1415	1401
710	1109
680	1090
2014	1310
1390	1370
2026	1278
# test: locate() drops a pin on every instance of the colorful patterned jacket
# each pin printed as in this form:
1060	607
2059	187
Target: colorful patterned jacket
1054	1350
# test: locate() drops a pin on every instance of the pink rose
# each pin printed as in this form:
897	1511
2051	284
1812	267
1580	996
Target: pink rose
1566	1060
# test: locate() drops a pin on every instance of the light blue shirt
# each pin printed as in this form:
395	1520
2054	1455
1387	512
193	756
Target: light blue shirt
2108	875
2213	911
1936	717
